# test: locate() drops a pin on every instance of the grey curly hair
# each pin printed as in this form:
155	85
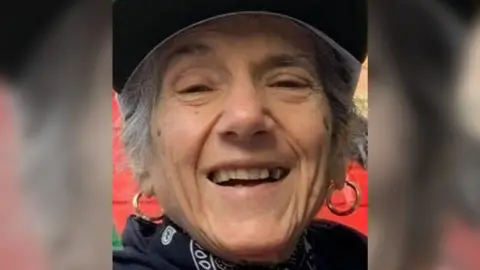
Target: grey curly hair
137	100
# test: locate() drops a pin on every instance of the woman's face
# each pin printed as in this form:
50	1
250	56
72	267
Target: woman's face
241	137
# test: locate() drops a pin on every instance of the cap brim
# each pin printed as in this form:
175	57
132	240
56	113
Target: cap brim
140	26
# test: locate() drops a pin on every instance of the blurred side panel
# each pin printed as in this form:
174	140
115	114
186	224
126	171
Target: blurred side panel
57	82
17	240
416	51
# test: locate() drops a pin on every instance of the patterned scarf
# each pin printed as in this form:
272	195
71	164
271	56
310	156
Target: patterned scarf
175	240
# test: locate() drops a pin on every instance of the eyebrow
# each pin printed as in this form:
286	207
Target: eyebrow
283	60
270	62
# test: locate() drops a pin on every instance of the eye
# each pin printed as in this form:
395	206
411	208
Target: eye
290	81
199	88
290	84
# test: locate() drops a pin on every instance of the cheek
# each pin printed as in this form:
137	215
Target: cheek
177	143
180	134
308	128
314	139
177	137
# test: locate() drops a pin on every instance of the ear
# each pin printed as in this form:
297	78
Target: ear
337	163
337	171
146	185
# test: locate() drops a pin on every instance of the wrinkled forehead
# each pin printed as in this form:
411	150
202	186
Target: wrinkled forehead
283	36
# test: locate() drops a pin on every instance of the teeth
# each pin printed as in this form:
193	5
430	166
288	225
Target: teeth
221	176
276	173
263	174
241	174
247	174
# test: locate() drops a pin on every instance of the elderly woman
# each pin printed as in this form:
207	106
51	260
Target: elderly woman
235	117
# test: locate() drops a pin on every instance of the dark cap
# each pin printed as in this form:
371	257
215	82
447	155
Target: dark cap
140	25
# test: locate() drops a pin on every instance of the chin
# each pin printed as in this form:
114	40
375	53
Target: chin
265	245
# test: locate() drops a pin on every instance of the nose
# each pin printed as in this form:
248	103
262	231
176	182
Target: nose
244	115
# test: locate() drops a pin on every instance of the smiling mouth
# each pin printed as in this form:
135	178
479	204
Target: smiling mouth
248	177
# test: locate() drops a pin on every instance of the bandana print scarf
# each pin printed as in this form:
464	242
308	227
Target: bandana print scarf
174	241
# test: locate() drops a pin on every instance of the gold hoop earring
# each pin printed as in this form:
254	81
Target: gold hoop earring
139	213
349	210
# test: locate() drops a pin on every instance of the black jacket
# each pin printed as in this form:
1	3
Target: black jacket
325	246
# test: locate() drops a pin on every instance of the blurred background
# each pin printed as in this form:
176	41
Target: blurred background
55	135
60	156
424	187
